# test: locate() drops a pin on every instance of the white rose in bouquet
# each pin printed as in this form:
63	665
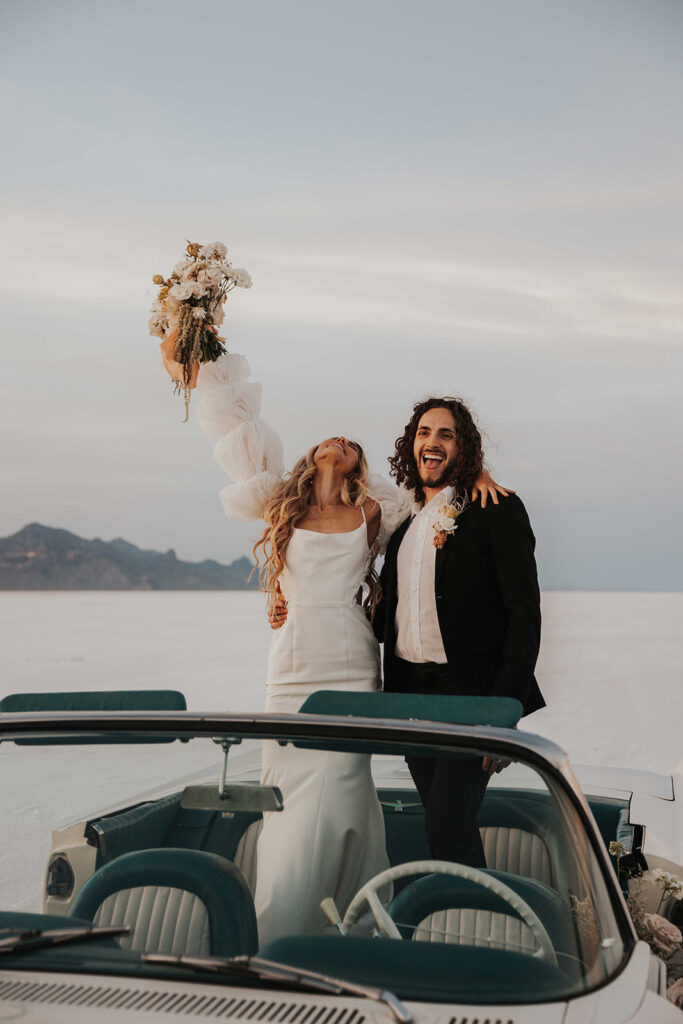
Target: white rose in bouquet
172	306
242	278
210	278
182	291
214	250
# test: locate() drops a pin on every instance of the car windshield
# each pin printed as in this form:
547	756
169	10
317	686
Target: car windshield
224	845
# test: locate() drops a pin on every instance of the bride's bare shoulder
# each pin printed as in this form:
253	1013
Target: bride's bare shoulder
372	509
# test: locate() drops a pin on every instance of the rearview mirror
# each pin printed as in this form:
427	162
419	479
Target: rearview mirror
242	797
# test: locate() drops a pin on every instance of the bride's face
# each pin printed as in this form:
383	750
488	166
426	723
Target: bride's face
339	452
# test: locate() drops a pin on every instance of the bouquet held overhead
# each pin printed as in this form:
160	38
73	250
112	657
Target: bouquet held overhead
188	311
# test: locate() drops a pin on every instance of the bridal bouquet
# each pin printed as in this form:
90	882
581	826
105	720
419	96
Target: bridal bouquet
188	310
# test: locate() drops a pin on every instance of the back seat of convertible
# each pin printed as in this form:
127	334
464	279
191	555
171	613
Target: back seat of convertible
518	830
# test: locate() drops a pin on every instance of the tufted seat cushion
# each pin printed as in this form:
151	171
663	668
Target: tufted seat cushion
469	927
441	908
517	851
514	851
174	901
162	920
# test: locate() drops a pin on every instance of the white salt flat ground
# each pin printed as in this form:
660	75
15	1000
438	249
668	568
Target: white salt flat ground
611	664
610	670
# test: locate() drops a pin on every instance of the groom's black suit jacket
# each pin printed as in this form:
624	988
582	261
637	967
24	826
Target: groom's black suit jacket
487	600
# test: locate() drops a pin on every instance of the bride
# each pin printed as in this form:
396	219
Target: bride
321	527
325	523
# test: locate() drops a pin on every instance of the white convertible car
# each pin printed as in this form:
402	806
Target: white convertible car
146	908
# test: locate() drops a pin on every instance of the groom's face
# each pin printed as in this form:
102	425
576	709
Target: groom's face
435	447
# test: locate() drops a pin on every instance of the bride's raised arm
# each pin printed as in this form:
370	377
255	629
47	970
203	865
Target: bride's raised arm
247	448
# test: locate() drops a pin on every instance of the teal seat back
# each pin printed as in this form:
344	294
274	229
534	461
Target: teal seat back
433	893
95	700
502	712
133	890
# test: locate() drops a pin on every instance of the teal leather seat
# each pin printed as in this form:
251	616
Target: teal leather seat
443	908
174	901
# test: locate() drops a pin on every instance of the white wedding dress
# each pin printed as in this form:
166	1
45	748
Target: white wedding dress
329	839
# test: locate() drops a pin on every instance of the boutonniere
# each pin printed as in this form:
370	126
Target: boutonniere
446	521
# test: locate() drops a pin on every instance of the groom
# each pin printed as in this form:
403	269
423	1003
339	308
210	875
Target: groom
460	612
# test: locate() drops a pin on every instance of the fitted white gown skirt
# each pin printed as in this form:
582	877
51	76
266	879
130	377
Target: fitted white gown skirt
329	839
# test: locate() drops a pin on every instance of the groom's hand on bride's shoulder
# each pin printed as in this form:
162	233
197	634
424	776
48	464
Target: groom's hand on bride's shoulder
485	487
277	612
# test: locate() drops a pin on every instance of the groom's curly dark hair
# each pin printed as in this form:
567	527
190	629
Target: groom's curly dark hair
469	458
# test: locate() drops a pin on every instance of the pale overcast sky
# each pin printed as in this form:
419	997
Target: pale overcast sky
481	198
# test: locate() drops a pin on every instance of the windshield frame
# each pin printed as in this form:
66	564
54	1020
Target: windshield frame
538	752
512	744
384	734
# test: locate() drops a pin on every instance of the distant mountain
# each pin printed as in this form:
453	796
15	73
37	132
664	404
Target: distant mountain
40	558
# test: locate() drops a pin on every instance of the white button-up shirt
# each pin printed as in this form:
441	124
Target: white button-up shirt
418	637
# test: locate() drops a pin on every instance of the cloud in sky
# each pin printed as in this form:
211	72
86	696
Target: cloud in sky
484	201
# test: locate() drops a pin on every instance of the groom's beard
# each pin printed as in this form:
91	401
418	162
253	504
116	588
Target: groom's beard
441	478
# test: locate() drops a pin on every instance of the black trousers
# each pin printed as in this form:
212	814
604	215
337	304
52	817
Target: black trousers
451	789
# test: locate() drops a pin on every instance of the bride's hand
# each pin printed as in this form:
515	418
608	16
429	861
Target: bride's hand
173	369
277	611
485	486
492	765
167	346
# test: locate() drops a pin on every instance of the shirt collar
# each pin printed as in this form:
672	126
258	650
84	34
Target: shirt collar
444	497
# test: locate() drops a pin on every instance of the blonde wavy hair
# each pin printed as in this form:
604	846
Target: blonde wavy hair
287	506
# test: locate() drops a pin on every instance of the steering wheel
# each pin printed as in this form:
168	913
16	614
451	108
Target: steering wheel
369	894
